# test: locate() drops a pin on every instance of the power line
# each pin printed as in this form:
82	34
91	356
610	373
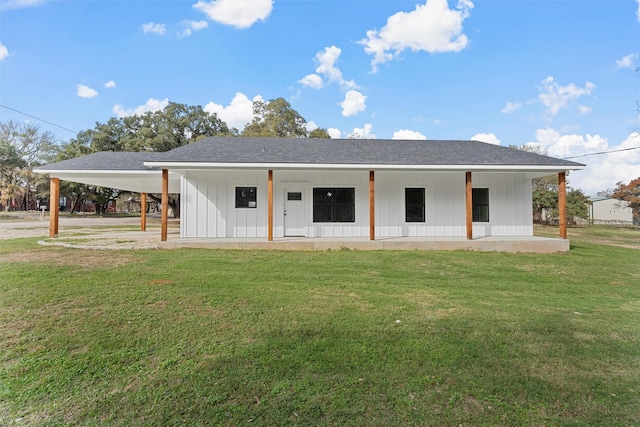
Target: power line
38	118
601	152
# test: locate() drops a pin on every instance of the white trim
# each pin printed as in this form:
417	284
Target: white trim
284	166
340	186
403	213
490	192
98	172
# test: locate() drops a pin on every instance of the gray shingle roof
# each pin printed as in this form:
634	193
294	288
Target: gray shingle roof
355	152
104	161
235	150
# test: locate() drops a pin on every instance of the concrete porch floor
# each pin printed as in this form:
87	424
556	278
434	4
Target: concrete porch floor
516	244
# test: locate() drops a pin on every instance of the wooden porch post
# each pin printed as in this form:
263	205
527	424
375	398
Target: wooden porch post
372	206
165	204
562	204
270	206
143	211
54	206
469	208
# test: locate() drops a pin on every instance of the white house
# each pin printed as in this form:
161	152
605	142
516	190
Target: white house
605	210
271	189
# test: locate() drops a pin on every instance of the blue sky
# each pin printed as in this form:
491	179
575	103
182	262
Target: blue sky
559	74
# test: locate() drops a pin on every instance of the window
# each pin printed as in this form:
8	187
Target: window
246	197
295	196
480	201
414	205
334	205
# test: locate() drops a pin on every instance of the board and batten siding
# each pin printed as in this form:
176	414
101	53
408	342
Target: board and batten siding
208	204
444	204
308	180
510	206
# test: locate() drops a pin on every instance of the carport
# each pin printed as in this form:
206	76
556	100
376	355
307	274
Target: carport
120	170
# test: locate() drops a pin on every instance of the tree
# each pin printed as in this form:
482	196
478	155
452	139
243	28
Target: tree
276	119
608	193
319	133
174	126
76	193
10	166
545	189
545	195
544	198
22	147
577	206
630	193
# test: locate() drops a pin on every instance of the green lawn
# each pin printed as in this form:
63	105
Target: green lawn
193	337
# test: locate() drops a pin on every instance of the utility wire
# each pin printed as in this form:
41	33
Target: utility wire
602	152
37	118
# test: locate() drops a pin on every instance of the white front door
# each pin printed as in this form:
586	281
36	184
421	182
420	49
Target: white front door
294	217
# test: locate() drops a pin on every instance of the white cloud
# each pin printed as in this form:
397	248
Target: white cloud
638	11
154	28
110	84
311	80
407	134
4	52
561	146
511	107
334	133
354	102
584	109
326	63
489	138
311	126
150	106
605	171
191	26
349	84
196	25
362	133
238	113
556	97
86	92
236	13
19	4
431	27
626	61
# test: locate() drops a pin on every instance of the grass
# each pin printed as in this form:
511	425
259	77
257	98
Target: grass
34	215
192	337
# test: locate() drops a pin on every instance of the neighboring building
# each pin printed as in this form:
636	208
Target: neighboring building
268	188
605	210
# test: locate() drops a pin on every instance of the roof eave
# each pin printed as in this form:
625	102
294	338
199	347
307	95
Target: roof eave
390	167
53	172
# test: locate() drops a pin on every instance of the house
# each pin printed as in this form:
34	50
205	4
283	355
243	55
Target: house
605	210
268	189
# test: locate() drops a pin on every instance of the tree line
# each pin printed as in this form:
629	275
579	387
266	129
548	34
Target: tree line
23	146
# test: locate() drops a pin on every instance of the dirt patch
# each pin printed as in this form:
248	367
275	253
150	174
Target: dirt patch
161	282
84	259
624	238
99	242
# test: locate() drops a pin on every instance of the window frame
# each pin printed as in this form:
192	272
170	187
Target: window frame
407	205
333	206
476	214
248	199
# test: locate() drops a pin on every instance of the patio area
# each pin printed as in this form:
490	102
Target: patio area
486	244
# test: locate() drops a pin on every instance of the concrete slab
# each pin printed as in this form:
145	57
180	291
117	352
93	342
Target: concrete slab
488	244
